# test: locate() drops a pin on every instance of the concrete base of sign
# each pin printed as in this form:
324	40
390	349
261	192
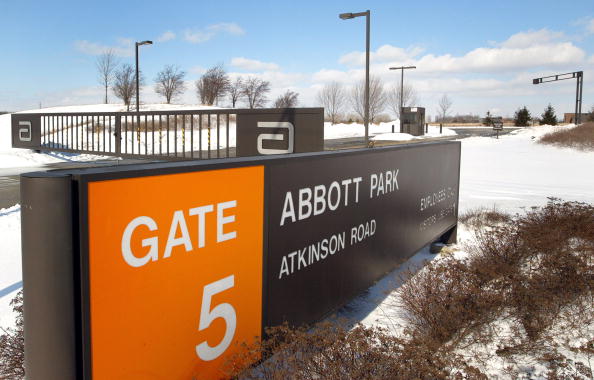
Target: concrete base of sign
436	247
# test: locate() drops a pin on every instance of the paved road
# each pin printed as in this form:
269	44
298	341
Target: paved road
9	178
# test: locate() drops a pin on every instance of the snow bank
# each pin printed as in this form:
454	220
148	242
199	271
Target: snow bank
515	171
381	131
10	261
431	132
14	158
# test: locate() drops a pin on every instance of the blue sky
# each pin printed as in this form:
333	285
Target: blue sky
483	56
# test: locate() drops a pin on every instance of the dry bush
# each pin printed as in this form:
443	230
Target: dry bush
534	271
447	300
331	351
482	217
12	345
580	137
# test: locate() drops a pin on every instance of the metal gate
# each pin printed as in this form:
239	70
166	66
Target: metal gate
172	135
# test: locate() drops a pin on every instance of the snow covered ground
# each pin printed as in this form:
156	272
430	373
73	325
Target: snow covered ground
514	171
511	173
381	131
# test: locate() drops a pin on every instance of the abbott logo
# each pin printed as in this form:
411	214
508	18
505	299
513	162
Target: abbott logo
25	130
276	136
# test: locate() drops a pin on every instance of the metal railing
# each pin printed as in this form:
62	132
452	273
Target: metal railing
187	134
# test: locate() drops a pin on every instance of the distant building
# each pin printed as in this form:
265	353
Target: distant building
570	117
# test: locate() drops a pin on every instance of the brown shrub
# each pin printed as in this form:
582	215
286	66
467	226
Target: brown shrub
529	270
12	345
481	217
331	351
580	137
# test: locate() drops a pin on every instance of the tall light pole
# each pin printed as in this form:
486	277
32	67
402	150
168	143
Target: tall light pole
402	68
137	76
367	14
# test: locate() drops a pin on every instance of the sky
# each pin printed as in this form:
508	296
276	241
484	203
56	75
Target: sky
483	55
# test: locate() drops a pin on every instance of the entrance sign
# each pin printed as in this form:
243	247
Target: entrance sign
176	265
177	271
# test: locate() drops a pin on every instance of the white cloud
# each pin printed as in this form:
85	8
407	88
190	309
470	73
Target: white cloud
345	77
124	47
167	36
253	65
504	59
199	70
532	38
227	27
203	35
524	50
385	53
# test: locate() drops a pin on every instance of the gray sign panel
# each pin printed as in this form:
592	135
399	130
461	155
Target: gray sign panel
289	130
336	225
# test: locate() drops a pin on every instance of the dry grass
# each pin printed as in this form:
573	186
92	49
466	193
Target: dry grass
12	345
483	217
580	137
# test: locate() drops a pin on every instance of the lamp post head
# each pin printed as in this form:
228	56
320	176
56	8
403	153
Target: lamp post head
345	16
403	67
144	43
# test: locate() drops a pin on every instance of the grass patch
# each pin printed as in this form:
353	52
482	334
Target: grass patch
580	137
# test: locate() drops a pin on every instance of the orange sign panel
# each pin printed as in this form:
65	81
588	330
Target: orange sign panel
175	272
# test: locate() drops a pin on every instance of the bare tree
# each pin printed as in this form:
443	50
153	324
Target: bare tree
170	82
443	106
124	84
409	98
377	98
286	100
235	90
254	91
212	85
106	65
332	97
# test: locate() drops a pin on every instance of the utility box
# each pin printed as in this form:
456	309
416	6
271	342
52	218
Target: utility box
412	120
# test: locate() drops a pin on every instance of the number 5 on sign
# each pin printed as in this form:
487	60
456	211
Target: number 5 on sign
224	310
188	313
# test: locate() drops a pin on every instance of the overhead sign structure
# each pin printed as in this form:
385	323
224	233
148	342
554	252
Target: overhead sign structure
178	265
579	75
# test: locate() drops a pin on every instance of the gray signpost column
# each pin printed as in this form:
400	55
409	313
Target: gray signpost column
48	277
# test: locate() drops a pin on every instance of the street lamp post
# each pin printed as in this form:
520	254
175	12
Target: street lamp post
367	14
402	68
137	76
